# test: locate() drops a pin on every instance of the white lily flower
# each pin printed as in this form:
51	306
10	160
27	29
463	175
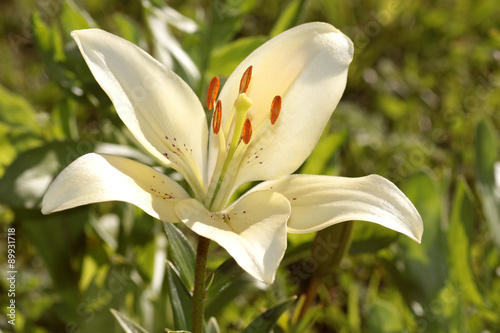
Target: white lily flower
267	120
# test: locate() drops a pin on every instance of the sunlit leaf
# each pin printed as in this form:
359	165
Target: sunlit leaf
266	321
486	150
73	18
225	58
212	326
181	254
181	299
222	277
320	162
289	17
18	126
460	238
216	305
128	325
129	29
17	112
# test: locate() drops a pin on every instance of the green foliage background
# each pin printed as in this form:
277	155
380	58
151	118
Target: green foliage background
420	108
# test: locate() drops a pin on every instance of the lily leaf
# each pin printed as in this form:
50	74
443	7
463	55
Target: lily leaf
212	326
266	321
127	324
222	277
289	17
181	254
74	17
486	154
225	59
460	235
18	127
181	300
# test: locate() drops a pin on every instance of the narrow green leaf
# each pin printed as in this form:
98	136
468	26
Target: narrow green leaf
486	152
74	18
16	111
289	17
321	161
128	325
216	305
50	44
486	149
222	277
459	241
266	321
181	254
225	59
19	130
212	326
182	302
128	29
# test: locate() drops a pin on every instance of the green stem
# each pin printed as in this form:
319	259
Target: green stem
199	284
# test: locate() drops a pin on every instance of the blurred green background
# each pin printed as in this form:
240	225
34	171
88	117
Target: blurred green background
420	109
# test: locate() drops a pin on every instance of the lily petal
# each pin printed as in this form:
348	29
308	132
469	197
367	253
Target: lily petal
320	201
157	106
100	177
307	66
252	230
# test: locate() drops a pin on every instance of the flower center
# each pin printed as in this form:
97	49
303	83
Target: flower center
233	138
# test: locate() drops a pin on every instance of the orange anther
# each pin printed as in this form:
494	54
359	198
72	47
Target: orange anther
275	109
246	134
213	90
245	80
217	117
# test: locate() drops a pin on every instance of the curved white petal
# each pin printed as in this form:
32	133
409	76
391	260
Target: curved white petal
160	109
307	66
252	230
320	201
101	177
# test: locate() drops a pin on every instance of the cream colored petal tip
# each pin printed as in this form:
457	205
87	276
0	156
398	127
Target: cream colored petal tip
96	178
321	201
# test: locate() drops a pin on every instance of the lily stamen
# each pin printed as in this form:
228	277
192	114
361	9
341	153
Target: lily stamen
275	109
246	134
245	80
217	117
213	90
